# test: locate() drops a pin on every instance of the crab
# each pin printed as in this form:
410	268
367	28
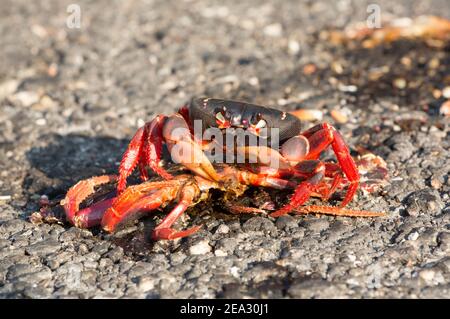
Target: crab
293	163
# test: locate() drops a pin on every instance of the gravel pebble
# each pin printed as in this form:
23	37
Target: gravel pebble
200	248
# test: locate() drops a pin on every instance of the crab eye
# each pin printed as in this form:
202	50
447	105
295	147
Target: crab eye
261	124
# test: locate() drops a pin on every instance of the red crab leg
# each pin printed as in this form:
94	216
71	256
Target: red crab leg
303	191
153	146
145	149
322	135
78	193
164	231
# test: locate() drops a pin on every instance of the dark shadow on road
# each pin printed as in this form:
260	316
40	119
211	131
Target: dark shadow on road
70	158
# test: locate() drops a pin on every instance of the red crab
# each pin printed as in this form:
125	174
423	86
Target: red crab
294	164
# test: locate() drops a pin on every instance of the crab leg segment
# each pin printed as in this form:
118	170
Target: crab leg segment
164	231
320	137
144	149
303	191
92	215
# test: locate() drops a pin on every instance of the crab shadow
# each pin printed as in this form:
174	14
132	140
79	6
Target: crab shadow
67	159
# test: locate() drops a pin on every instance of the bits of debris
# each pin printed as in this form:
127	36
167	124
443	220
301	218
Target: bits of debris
347	88
4	198
339	116
309	69
310	115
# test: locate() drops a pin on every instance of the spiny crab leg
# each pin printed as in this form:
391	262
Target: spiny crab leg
336	211
144	149
91	215
303	191
320	137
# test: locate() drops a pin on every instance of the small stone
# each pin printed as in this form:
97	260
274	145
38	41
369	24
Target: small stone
26	98
316	225
43	248
413	236
446	92
443	240
400	83
259	224
222	229
146	283
37	293
4	198
220	253
253	81
115	254
234	271
434	63
52	70
293	47
427	274
426	201
406	61
12	226
8	87
41	122
273	30
200	248
348	88
435	182
226	244
169	85
286	222
309	69
337	67
445	108
18	270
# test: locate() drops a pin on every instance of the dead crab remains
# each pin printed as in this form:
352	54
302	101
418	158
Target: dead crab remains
297	158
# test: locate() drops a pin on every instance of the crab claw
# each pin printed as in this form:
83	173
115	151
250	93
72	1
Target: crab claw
92	215
139	199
